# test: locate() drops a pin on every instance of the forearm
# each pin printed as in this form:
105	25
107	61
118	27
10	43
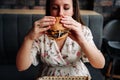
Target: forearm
23	60
94	56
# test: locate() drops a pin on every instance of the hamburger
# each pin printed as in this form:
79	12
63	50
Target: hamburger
57	31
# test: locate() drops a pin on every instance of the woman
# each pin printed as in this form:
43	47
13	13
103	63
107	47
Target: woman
64	56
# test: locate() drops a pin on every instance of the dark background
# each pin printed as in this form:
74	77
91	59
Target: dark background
110	9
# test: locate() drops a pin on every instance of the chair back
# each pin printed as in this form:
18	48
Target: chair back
111	31
111	38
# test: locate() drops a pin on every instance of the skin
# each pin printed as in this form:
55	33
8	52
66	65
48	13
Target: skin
63	9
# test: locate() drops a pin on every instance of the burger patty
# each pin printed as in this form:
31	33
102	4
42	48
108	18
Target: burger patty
57	33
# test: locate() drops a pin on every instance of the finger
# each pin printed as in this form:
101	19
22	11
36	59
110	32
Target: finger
68	22
44	29
41	22
70	27
47	18
37	24
44	24
66	18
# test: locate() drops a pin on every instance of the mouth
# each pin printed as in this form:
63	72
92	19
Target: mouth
57	33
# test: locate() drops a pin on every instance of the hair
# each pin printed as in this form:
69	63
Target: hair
76	10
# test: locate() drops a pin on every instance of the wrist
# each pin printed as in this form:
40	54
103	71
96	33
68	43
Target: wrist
82	41
26	38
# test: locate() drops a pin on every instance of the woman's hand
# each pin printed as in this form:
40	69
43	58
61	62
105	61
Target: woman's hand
94	56
23	59
40	26
74	26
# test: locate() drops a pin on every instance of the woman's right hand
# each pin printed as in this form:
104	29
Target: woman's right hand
40	26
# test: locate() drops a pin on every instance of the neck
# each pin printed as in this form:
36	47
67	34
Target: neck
60	42
62	38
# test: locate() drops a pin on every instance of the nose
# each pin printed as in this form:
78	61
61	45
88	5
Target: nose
61	12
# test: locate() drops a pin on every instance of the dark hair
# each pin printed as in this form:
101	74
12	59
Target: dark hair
76	9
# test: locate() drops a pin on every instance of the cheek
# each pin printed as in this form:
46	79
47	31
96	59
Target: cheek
53	13
69	13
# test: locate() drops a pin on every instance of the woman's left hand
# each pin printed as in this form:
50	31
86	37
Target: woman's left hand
74	26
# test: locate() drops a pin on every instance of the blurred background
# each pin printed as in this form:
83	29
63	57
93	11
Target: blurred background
110	9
